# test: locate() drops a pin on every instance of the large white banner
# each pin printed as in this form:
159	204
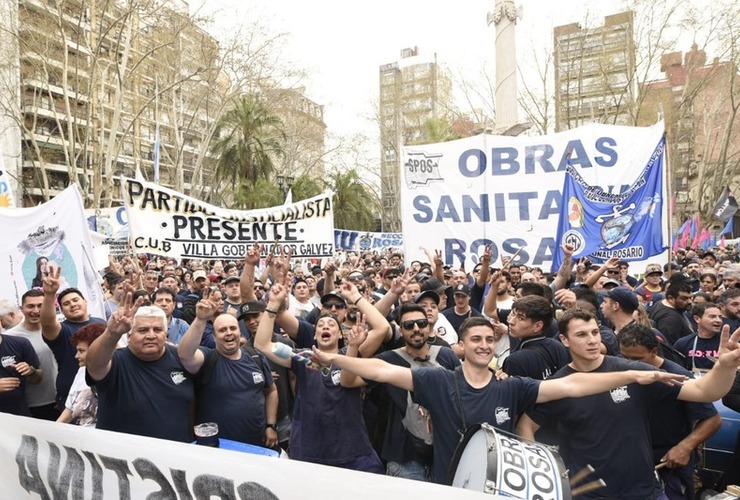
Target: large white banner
165	222
462	195
52	234
51	460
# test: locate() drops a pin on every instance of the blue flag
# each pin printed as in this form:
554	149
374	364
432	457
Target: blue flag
729	227
603	225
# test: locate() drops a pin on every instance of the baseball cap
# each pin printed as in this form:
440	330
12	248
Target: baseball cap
427	293
250	307
332	295
672	266
231	279
200	273
391	273
610	282
653	268
624	297
463	289
435	285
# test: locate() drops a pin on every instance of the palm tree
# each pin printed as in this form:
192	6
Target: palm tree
249	138
261	193
306	187
354	205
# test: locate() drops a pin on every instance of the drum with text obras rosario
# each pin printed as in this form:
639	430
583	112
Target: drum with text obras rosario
499	463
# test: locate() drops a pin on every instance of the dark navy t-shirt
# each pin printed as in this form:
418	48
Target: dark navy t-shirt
235	398
147	398
537	357
64	352
14	350
610	431
396	446
697	355
498	404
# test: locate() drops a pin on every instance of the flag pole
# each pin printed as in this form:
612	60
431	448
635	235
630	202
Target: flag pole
668	189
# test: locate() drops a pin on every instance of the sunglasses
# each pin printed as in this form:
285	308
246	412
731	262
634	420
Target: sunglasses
335	305
259	288
613	271
409	325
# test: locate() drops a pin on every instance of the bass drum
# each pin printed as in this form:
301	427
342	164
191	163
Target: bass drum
498	463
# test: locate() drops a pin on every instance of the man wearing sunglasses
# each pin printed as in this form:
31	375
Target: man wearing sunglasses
405	455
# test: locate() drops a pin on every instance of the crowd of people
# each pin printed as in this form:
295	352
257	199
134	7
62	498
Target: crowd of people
373	363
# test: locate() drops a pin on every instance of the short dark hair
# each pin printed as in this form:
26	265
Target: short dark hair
531	288
712	276
88	333
636	334
535	308
67	291
730	293
33	292
471	323
675	288
407	308
700	308
164	290
573	315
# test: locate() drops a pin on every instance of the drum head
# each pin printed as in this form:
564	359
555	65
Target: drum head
469	465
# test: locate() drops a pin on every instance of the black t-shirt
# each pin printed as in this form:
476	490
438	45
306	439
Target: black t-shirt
609	431
235	398
14	350
396	447
537	357
498	404
670	322
456	320
147	398
698	350
672	420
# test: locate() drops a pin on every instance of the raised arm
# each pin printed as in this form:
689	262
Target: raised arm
100	353
586	384
329	270
246	280
398	285
380	328
372	369
485	267
718	381
191	357
357	335
490	304
263	337
594	278
566	268
50	326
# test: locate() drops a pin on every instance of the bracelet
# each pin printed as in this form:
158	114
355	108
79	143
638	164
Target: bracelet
33	371
271	311
271	426
356	301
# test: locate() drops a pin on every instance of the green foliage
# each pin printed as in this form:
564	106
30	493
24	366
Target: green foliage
355	205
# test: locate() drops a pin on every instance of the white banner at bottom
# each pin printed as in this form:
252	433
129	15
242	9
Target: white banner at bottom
50	460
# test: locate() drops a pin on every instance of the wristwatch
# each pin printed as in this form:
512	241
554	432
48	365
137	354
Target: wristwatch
271	426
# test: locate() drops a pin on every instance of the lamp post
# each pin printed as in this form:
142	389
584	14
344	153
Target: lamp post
284	184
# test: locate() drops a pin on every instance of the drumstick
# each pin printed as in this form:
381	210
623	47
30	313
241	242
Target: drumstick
511	259
661	465
581	475
593	485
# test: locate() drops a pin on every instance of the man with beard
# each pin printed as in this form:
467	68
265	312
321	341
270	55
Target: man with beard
729	306
235	387
704	344
668	313
405	455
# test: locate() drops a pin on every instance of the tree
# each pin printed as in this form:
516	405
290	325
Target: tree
306	186
261	193
248	138
354	205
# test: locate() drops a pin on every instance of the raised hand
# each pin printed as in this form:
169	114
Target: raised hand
729	351
206	309
438	260
398	285
53	280
120	322
358	333
252	257
278	294
349	291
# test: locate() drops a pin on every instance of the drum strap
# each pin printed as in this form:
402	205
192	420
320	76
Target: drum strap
459	401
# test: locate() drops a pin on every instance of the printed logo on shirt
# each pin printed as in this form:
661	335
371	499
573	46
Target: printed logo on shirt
257	377
177	377
441	331
502	415
8	360
620	394
335	376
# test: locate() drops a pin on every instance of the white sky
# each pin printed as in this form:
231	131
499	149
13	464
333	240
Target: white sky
342	43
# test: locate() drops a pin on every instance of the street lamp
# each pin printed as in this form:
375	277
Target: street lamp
284	184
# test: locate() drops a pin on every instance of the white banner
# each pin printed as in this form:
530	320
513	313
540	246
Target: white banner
6	193
112	223
165	222
461	195
52	234
363	241
51	460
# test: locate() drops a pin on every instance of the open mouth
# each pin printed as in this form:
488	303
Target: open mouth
325	336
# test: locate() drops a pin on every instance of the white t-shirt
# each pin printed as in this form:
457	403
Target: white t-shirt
444	330
82	401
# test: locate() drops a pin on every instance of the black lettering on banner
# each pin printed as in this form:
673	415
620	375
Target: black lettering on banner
147	470
543	482
27	459
206	486
135	189
97	476
255	491
72	474
180	479
514	479
120	467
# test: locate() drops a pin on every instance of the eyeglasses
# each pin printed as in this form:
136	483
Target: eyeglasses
335	305
260	288
409	325
612	271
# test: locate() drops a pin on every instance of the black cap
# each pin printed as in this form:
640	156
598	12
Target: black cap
332	295
250	307
230	279
427	293
435	285
463	289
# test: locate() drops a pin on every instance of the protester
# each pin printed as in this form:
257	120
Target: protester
81	407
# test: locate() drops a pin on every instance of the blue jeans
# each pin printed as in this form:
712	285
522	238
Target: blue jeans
408	470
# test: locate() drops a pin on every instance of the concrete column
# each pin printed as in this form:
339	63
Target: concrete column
503	18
